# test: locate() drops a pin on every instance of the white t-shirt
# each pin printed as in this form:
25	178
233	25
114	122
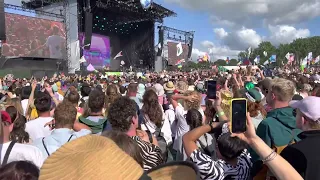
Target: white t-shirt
54	44
36	128
24	104
22	152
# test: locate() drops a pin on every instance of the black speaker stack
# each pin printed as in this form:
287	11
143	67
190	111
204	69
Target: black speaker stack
88	29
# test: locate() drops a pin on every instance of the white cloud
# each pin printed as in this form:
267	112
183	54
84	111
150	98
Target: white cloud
215	51
220	32
243	38
239	39
243	12
286	34
207	44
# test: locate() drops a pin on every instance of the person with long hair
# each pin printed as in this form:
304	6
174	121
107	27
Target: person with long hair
112	94
206	143
18	133
152	116
16	103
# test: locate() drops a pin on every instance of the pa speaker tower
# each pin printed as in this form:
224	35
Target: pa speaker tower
2	22
87	30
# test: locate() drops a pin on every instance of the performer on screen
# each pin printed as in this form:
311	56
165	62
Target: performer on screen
55	43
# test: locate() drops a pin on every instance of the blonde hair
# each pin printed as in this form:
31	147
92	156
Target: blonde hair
194	104
282	88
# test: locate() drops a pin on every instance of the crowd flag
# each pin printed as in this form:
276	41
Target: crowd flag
317	59
82	60
291	59
273	58
249	51
257	59
265	53
227	60
305	61
266	62
118	55
288	56
90	68
179	49
309	56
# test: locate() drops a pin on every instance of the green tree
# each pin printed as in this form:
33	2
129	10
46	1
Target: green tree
233	62
220	62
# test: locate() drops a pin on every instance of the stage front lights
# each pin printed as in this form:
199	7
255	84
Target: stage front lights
97	17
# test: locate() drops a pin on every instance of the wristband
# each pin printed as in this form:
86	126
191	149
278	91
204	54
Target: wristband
270	157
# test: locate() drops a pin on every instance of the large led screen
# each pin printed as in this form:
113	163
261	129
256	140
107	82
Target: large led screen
99	53
34	37
172	53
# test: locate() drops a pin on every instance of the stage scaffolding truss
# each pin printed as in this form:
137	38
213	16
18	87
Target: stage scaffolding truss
168	34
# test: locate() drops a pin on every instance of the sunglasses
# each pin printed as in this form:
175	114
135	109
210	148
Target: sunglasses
294	113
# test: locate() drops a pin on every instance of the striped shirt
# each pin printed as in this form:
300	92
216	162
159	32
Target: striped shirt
219	169
151	154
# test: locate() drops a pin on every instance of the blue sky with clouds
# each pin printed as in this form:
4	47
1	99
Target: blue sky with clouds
225	27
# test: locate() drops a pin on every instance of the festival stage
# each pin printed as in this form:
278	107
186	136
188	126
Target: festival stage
117	26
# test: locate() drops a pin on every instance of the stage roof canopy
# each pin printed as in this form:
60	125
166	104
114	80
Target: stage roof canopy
156	11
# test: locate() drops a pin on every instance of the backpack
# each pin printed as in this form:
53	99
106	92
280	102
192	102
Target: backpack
6	156
159	136
265	172
205	148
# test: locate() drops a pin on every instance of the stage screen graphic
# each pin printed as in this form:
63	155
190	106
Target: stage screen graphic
172	53
99	53
34	37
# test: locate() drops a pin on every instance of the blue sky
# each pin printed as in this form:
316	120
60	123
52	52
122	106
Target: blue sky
225	27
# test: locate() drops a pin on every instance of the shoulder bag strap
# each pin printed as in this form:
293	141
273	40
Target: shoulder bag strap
6	156
148	130
45	147
70	138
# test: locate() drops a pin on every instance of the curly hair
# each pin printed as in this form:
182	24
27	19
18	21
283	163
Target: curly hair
112	95
18	132
152	108
126	143
194	104
194	118
120	114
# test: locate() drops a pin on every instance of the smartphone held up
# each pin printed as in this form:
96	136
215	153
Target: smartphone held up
211	89
238	115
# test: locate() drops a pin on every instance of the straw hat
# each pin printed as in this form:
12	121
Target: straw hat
169	86
97	157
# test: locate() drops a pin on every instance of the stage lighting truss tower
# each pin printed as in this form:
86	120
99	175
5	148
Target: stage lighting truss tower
176	35
67	21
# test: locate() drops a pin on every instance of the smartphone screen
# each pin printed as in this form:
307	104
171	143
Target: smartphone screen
38	87
239	113
211	89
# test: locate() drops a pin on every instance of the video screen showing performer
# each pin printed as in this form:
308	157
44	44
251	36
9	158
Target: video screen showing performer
34	37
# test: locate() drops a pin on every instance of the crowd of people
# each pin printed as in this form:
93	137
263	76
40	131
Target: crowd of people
160	126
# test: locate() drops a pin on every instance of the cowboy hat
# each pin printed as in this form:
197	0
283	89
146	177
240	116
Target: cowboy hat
169	86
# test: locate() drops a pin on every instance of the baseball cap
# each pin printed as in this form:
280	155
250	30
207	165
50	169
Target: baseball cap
309	106
5	117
